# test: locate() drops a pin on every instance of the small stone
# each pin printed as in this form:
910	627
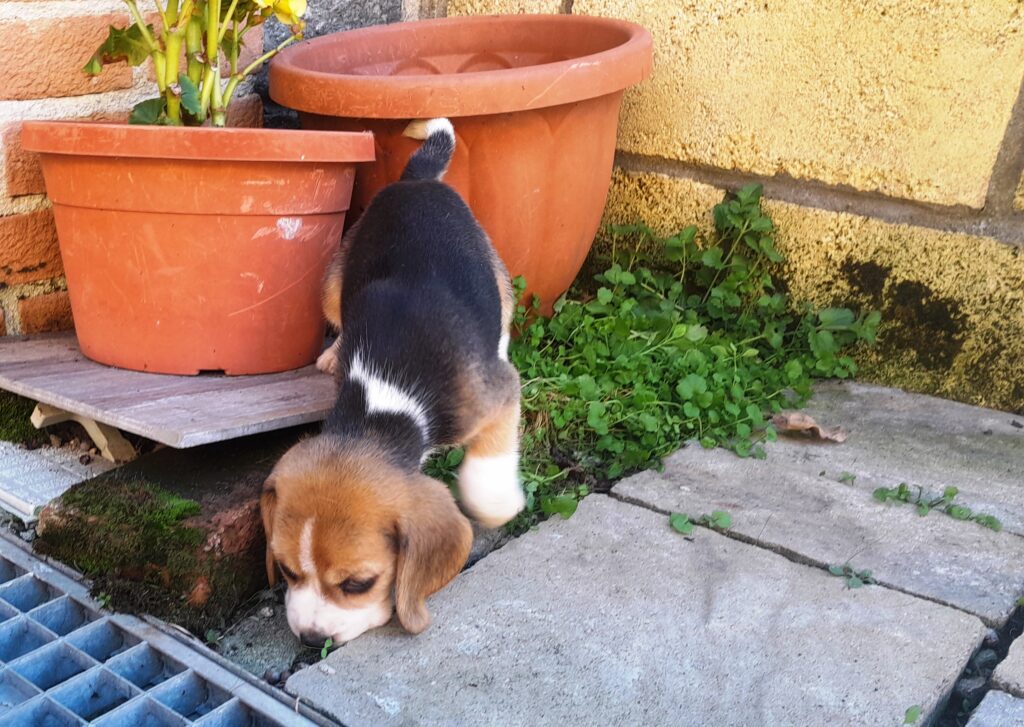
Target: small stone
971	688
991	637
326	668
300	665
986	660
27	535
85	459
73	443
266	612
285	676
84	446
93	451
55	441
271	676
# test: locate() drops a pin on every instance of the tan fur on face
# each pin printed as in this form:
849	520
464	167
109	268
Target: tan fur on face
365	518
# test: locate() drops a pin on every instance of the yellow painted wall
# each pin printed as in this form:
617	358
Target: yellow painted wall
868	100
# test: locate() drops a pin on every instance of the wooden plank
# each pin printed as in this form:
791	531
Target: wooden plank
180	411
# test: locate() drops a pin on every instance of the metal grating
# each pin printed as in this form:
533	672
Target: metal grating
63	661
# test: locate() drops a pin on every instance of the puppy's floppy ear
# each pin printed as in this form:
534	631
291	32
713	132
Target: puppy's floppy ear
434	543
268	502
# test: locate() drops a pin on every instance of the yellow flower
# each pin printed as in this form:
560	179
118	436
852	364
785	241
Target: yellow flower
290	12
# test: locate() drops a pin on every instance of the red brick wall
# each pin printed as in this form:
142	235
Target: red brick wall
43	46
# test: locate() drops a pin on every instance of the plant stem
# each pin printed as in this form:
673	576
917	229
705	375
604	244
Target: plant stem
212	32
237	78
133	8
194	49
268	55
185	16
227	17
163	14
173	107
174	39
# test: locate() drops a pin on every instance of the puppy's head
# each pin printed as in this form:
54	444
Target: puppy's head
356	538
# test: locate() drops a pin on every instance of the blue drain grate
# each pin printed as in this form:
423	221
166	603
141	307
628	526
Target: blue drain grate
63	661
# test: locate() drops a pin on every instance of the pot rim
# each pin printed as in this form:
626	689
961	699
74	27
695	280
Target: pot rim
472	93
104	139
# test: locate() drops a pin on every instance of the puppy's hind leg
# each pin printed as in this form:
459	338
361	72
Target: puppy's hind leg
489	476
329	361
330	300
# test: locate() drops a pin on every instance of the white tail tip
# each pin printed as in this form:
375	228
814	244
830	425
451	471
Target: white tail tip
422	128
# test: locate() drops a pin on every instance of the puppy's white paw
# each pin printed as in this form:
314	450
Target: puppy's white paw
328	361
490	489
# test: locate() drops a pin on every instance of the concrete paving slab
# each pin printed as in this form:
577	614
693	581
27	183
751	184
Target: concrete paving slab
787	508
998	709
29	479
793	501
1009	675
897	436
613	618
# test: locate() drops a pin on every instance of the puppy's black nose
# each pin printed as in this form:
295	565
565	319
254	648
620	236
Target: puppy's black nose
313	639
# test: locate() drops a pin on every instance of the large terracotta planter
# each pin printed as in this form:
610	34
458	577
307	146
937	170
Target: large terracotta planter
192	249
535	102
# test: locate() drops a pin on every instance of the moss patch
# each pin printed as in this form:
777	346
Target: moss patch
14	420
143	547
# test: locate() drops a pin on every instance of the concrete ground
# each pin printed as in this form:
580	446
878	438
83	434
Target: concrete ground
613	617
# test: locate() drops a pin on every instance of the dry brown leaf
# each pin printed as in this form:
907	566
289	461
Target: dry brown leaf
796	421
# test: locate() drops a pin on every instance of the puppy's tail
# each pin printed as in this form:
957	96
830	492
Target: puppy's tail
431	160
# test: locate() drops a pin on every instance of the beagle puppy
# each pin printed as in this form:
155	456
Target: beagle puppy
424	306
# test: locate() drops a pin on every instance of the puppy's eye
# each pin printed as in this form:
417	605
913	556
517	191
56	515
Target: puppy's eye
287	572
354	587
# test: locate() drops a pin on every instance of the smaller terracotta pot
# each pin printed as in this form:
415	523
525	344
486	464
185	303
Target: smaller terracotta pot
192	249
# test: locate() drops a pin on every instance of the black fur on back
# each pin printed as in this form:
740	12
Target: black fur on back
420	302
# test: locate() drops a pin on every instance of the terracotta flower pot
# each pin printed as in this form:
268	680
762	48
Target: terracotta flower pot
535	102
191	249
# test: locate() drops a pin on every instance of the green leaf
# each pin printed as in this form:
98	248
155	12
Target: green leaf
959	512
754	412
649	422
327	647
712	258
721	520
564	505
93	67
122	44
696	333
912	714
680	523
189	95
923	509
854	582
596	417
836	317
604	295
836	570
147	112
691	385
454	457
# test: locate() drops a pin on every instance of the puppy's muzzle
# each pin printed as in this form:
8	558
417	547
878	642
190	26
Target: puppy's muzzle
313	639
